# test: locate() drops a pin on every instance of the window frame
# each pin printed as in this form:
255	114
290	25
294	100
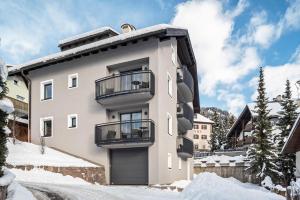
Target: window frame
196	136
69	121
202	127
70	81
169	161
42	90
42	127
170	84
170	124
203	137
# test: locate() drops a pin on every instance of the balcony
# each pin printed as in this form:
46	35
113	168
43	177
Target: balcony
125	88
138	133
185	148
185	84
185	117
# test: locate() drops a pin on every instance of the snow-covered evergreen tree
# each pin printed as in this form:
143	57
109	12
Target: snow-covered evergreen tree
222	139
262	153
214	145
287	118
3	122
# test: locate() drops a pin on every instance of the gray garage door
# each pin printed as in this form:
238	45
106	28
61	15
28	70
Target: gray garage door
129	166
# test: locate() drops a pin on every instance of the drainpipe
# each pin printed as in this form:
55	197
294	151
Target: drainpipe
29	105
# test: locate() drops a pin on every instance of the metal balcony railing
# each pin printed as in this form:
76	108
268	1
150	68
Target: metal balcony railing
125	83
137	131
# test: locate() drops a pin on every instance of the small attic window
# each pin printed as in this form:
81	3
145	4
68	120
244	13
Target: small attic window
16	82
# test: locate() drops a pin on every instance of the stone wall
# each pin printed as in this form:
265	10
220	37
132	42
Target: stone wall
89	174
226	170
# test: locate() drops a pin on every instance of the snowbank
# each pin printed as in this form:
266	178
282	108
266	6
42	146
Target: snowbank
41	176
18	192
181	184
23	153
7	178
209	186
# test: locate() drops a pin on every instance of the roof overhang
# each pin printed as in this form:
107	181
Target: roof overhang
244	117
292	144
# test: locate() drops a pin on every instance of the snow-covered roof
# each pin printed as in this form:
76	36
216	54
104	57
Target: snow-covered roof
202	119
93	46
86	34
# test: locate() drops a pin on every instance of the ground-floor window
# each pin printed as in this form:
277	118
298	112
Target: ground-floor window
46	125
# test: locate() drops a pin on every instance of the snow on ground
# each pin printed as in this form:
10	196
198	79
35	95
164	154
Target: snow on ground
209	186
181	183
41	176
23	153
18	192
217	159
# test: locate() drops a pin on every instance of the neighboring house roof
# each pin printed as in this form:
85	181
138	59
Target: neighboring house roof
292	144
201	119
161	31
248	113
87	35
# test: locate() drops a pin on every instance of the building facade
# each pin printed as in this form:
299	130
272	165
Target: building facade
18	94
202	132
125	101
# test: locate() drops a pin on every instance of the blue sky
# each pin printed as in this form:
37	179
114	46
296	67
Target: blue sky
231	38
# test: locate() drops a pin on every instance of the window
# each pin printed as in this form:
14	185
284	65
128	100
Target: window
169	84
46	125
204	137
203	127
72	121
196	136
16	82
196	126
169	124
20	98
47	90
179	164
169	160
196	147
73	81
173	55
204	147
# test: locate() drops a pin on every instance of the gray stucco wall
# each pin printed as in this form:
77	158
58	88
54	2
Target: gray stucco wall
81	101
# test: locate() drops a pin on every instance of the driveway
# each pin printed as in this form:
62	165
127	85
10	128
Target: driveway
95	192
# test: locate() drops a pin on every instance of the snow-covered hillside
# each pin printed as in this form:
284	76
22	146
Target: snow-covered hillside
23	153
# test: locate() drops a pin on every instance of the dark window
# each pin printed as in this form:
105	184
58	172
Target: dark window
48	91
74	82
196	136
15	82
73	122
47	128
204	127
204	137
196	146
196	126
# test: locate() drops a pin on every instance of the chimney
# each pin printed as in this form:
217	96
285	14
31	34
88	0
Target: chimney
278	98
126	28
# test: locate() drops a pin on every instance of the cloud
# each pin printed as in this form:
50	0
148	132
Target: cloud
221	58
276	76
235	101
31	27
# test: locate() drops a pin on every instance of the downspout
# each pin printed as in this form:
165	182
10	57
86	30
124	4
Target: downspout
29	105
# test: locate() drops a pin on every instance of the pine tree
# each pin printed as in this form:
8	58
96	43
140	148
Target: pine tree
3	123
287	118
222	139
261	154
215	131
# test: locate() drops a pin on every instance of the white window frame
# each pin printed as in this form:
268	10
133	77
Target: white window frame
42	89
70	77
179	164
69	121
170	124
173	55
42	126
169	161
170	85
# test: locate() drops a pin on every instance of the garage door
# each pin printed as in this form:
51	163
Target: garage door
129	166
